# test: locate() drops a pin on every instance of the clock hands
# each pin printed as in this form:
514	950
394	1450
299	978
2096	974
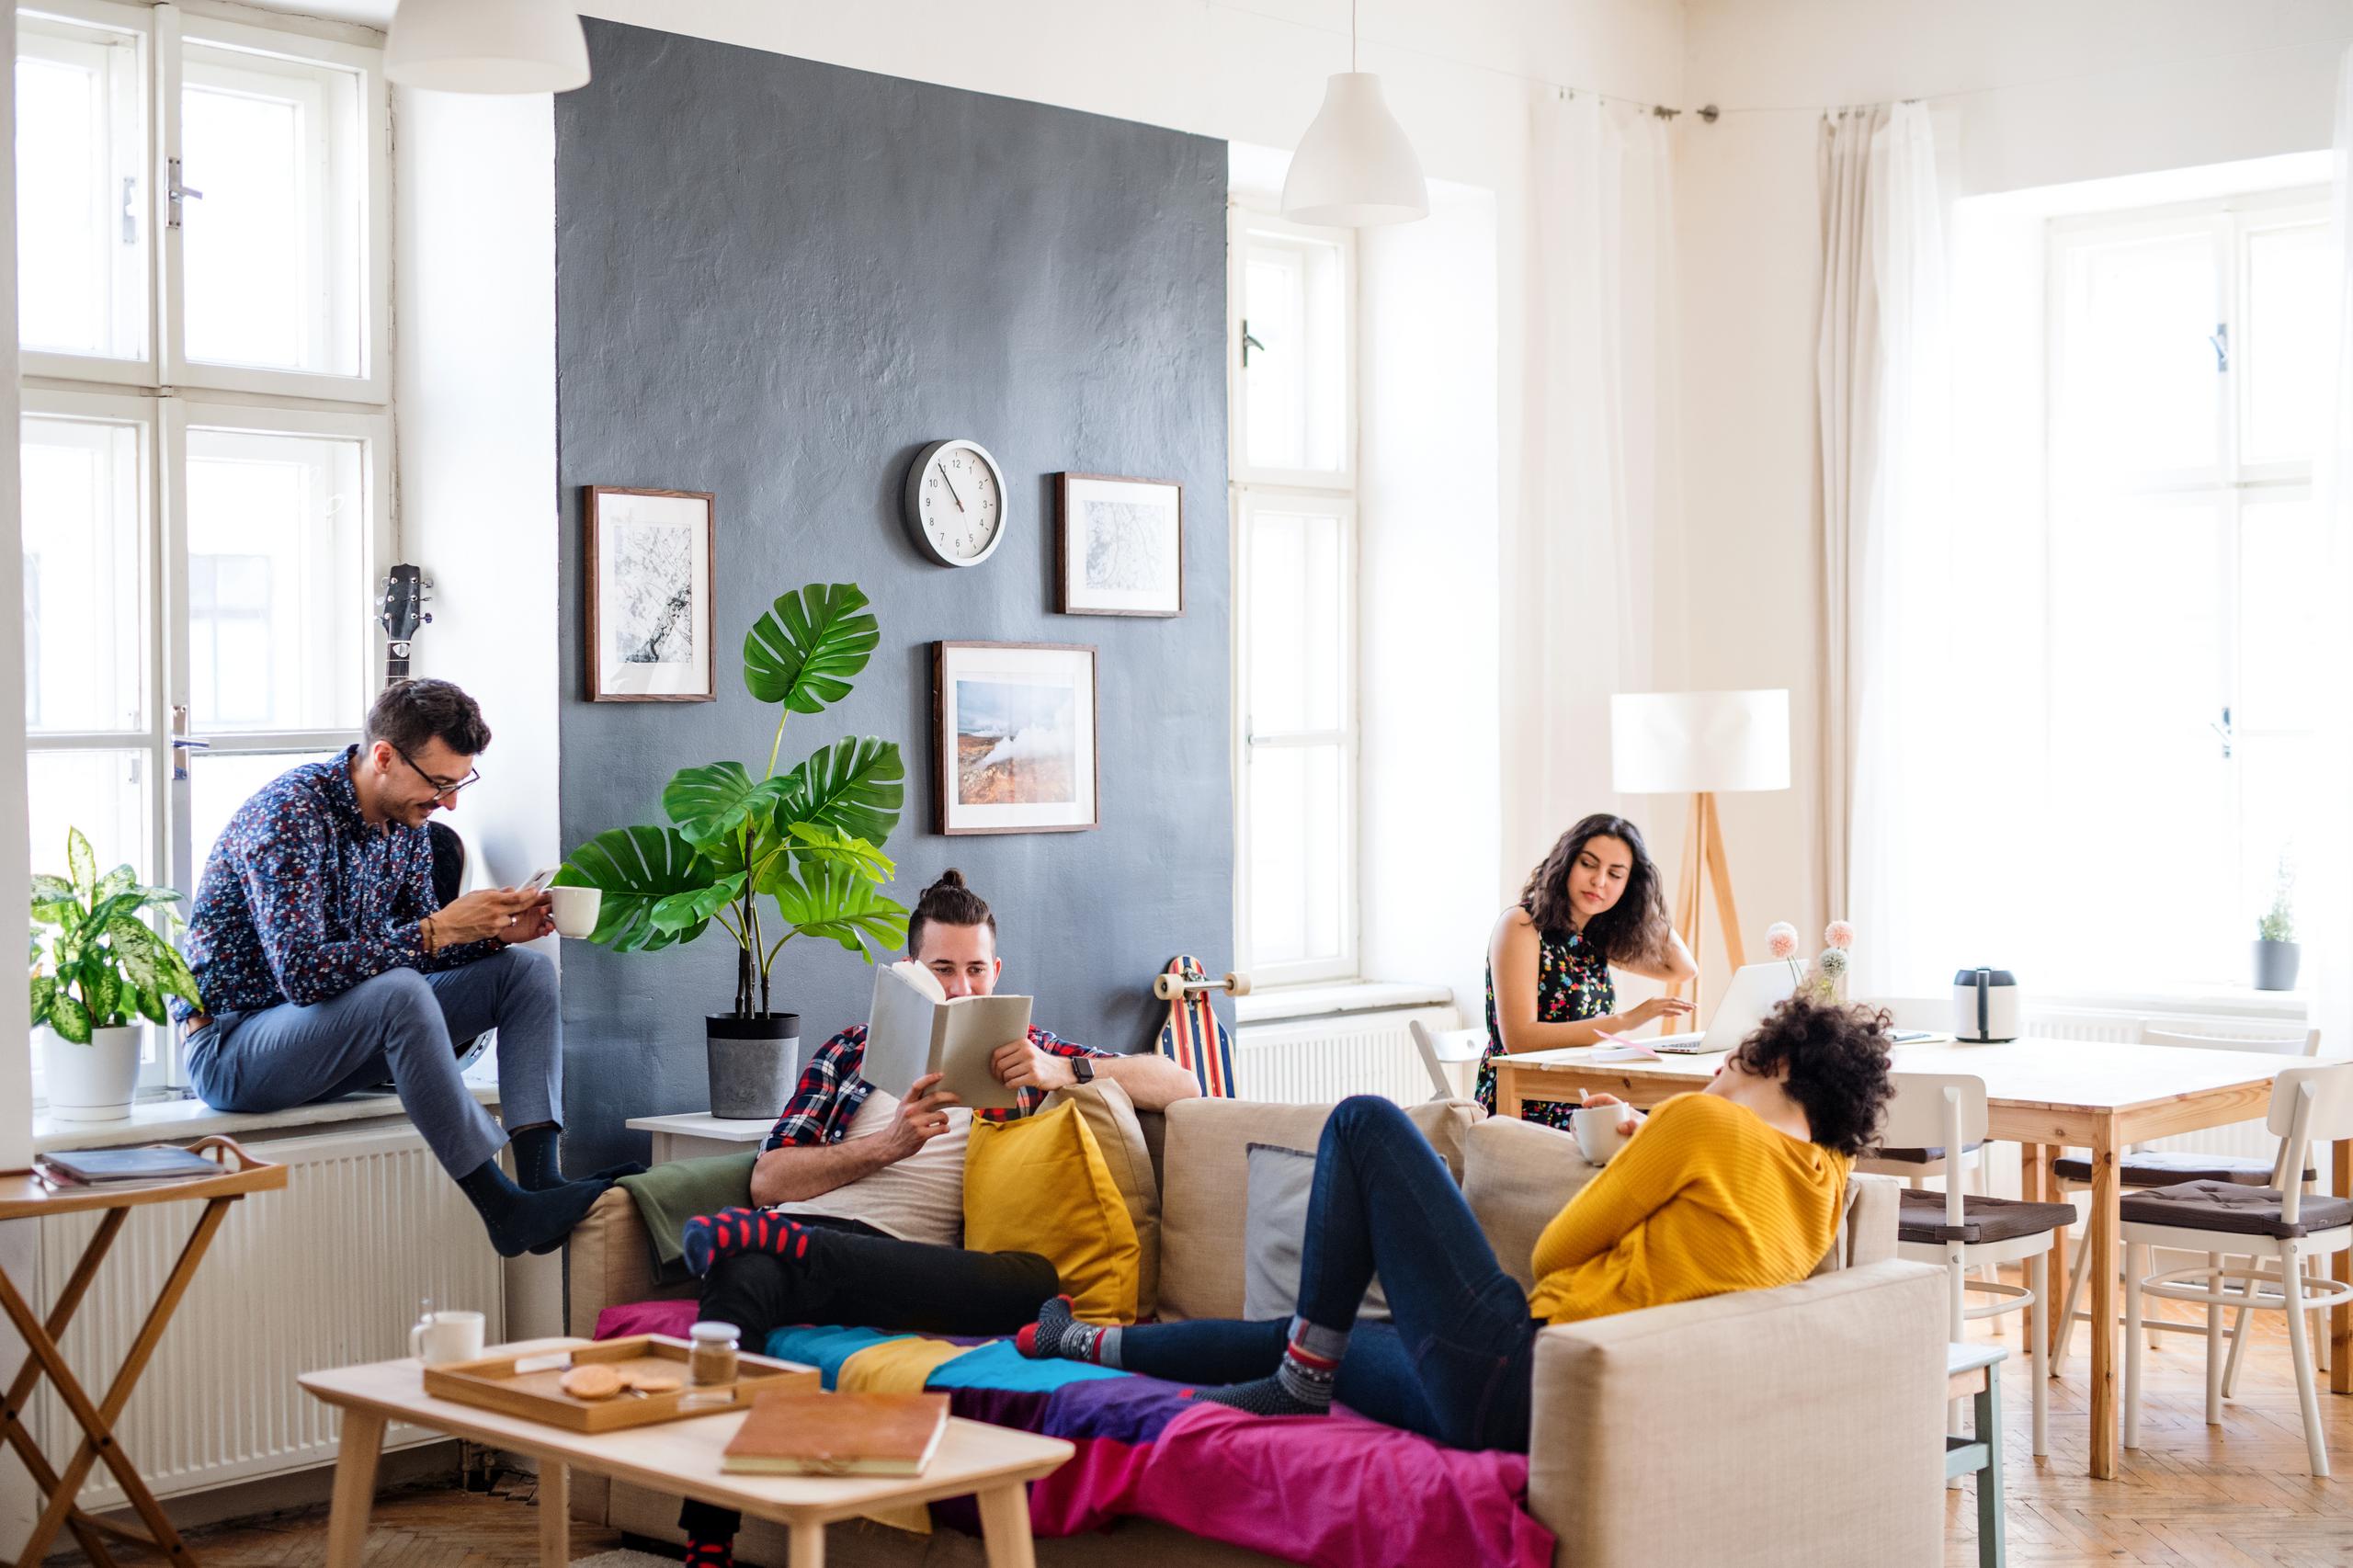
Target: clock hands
954	488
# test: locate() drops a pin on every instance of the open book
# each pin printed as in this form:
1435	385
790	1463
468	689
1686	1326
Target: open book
915	1029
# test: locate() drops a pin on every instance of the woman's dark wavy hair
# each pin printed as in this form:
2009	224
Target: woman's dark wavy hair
1634	928
1835	1056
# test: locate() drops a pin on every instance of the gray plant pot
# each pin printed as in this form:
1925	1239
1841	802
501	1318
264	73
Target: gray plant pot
2276	964
754	1063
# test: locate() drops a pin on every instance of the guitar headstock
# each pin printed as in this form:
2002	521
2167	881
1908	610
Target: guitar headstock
402	610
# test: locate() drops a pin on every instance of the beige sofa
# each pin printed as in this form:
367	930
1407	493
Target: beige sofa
1799	1426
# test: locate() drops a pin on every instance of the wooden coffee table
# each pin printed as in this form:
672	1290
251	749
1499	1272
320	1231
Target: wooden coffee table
991	1464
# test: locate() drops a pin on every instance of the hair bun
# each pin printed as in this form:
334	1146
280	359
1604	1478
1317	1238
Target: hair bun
950	877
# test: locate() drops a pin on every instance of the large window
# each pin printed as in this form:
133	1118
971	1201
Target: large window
2187	383
1293	440
202	243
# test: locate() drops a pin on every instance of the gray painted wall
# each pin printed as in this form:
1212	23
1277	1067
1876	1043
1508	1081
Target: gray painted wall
776	280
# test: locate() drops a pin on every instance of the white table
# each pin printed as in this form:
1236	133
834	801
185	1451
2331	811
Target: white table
691	1135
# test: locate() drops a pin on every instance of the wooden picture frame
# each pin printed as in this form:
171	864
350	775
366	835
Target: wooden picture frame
645	548
1138	570
1038	703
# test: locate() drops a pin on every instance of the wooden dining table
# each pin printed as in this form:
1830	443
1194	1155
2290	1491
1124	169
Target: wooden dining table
2046	1095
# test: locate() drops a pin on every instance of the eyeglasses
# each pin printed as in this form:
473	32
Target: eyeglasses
442	788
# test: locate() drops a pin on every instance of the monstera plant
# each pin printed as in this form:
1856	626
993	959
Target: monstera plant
769	857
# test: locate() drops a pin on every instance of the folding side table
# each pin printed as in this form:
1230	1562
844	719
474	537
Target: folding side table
26	1196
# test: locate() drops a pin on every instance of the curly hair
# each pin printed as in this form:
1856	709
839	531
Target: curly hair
1633	929
1836	1063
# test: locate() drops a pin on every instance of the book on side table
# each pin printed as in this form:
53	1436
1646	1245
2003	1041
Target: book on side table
838	1434
94	1167
915	1029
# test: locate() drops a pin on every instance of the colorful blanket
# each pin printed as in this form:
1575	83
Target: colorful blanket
1337	1492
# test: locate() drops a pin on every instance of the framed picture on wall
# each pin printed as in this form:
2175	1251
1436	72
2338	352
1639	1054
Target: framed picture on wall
650	586
1014	728
1123	545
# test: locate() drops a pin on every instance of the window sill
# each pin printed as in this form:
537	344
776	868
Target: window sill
179	1120
2218	1001
1337	997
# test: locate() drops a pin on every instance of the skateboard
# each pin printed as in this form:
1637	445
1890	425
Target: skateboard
1194	1038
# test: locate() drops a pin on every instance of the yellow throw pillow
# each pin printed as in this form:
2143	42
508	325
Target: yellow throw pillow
1110	1115
1040	1184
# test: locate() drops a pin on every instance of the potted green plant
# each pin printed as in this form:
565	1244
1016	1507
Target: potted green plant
97	970
804	845
2278	955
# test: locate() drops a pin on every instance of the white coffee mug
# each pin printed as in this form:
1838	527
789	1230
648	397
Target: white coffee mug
575	910
439	1338
1595	1129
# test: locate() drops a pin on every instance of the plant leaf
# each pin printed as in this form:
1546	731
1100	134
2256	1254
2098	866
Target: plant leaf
149	962
69	1018
636	868
814	842
44	997
52	898
853	787
695	906
710	803
81	863
803	650
828	899
122	879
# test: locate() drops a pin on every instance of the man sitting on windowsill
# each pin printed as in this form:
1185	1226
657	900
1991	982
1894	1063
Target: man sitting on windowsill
327	965
861	1196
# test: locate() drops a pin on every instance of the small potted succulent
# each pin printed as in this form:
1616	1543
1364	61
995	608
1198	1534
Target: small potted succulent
2278	955
98	971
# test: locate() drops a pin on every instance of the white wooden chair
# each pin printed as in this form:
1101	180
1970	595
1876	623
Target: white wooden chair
1968	1230
2280	1225
1441	1049
2145	1168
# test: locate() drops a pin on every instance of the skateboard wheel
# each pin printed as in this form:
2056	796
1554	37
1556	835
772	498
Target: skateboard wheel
1164	987
1238	984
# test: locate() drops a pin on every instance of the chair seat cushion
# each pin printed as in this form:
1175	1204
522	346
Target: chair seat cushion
2152	1167
1920	1217
1915	1156
2225	1206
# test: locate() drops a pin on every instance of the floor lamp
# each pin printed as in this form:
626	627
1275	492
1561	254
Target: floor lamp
1701	743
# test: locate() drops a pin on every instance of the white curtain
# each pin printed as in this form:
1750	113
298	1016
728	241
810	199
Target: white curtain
1894	693
2325	883
1597	487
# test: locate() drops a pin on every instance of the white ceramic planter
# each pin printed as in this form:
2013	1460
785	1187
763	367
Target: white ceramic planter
92	1082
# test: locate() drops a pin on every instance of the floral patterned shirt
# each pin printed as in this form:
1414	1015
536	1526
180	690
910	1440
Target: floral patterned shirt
830	1091
302	900
1573	983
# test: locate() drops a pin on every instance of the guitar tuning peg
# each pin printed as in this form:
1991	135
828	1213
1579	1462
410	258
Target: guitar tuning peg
428	620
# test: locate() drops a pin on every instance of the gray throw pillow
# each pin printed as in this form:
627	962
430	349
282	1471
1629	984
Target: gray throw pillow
1274	1229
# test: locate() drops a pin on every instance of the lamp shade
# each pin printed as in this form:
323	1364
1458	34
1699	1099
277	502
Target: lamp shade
487	46
1353	168
1683	743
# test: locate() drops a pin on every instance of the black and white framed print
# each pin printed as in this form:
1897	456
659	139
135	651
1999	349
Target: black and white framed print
649	586
1123	545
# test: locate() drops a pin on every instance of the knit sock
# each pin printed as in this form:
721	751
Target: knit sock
539	1157
520	1222
711	1553
710	1240
1302	1385
1057	1334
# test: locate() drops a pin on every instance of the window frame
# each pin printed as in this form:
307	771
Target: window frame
1248	488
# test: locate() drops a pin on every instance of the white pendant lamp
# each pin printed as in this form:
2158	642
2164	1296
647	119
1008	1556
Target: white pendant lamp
1353	168
487	46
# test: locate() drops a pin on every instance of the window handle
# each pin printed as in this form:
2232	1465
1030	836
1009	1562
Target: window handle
1248	343
177	192
2223	727
131	209
2220	341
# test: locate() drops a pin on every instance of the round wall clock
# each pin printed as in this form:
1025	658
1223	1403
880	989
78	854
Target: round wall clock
955	503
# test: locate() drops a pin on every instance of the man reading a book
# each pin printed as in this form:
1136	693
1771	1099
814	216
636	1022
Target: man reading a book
860	1196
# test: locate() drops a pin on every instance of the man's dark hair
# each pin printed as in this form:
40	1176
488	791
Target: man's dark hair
411	712
947	902
1836	1058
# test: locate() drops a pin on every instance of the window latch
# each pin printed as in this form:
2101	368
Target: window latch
177	191
1248	343
131	209
2223	727
2219	340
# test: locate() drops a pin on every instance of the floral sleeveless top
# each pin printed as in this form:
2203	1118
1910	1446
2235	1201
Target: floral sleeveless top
1572	984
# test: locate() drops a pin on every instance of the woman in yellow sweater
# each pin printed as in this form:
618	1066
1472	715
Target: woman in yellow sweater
1736	1188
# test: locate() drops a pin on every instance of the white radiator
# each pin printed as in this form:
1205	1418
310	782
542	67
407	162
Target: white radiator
2243	1138
328	1272
1323	1060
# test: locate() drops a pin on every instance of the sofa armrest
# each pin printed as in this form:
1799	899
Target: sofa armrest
607	1262
1801	1427
1871	1224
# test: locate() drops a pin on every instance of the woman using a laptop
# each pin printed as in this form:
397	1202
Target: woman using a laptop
1594	902
1737	1187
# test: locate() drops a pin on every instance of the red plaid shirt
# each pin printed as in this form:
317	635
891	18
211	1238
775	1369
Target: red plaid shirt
830	1090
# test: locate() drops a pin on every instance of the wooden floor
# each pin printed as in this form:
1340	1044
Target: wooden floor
2232	1495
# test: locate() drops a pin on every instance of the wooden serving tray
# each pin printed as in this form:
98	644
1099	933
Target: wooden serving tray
533	1392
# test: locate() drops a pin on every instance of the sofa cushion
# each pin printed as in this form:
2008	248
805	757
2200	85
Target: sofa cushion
1110	1115
2240	1211
1280	1180
1042	1185
1205	1188
1517	1175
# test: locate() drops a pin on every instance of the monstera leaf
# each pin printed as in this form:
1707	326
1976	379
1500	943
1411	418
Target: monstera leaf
712	805
823	898
638	869
853	787
804	650
811	842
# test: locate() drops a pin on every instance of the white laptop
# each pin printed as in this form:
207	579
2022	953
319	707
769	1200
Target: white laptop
1755	990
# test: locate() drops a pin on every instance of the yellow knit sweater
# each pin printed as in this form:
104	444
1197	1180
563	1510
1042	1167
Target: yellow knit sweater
1705	1199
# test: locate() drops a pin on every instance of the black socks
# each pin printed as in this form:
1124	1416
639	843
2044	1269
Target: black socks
520	1220
1057	1334
1302	1385
538	1160
710	1554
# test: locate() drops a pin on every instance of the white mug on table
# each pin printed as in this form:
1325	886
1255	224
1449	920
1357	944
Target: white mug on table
442	1337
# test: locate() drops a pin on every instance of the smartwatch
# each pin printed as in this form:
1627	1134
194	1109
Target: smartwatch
1083	1069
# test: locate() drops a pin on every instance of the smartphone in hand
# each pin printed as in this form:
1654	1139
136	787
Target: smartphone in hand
540	881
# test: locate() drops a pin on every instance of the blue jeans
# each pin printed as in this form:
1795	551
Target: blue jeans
401	1025
1455	1360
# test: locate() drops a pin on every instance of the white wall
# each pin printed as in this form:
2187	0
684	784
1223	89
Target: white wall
2039	93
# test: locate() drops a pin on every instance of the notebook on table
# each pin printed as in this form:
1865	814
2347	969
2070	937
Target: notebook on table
159	1162
838	1434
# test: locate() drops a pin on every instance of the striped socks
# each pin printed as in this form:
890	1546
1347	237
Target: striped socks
1301	1384
1056	1334
710	1240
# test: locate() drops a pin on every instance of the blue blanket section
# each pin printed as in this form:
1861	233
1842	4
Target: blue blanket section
826	1346
991	1364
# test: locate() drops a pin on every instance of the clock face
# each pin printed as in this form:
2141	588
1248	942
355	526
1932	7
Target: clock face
956	503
